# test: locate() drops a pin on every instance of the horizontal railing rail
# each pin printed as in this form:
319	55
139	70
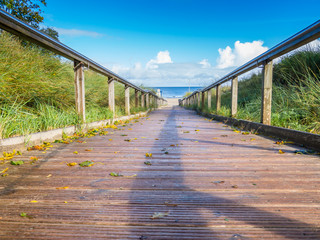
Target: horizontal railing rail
299	39
17	27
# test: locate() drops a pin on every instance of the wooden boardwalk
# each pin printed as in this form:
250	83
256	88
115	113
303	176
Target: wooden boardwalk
205	182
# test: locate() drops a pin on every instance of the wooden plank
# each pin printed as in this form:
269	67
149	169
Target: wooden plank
202	100
266	93
143	100
127	99
79	90
218	97
234	96
136	98
208	182
209	99
111	95
147	100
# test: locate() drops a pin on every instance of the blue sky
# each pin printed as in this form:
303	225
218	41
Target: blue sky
176	42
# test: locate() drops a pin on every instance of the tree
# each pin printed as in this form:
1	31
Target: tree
26	10
51	32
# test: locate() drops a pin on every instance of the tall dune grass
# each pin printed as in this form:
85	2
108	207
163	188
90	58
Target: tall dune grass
37	91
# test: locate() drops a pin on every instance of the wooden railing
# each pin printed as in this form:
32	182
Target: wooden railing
17	27
266	60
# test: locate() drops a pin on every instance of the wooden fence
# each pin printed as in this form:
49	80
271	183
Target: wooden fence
17	27
266	61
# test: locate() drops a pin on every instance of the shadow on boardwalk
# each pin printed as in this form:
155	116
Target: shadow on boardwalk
186	221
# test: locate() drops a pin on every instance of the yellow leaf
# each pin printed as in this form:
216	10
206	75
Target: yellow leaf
148	154
49	175
281	152
4	170
236	131
75	152
252	139
65	202
62	187
88	150
110	139
34	201
71	164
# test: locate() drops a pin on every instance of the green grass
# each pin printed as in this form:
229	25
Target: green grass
295	96
37	91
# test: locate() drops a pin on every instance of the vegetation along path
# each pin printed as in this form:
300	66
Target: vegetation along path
171	175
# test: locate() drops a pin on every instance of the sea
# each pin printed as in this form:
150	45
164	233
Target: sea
175	92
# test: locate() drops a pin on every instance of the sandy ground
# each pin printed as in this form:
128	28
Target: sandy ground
172	101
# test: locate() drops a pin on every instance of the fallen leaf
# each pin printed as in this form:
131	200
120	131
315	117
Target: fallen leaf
49	175
17	162
224	135
4	175
65	202
159	215
234	186
75	152
252	139
147	163
186	132
71	164
4	170
236	131
166	152
148	154
86	164
170	204
156	139
218	181
88	150
172	145
62	188
23	214
245	133
34	201
113	174
281	152
197	130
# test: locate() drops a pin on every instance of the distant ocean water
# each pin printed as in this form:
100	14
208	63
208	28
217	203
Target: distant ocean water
175	92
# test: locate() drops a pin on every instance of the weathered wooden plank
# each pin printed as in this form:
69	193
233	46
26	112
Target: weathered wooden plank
218	97
79	90
111	95
209	92
127	99
234	96
266	93
209	181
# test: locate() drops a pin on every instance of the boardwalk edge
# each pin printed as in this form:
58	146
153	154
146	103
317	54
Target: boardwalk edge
21	142
305	139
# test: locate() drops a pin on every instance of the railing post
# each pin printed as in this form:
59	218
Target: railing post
79	90
199	100
111	95
234	96
142	100
127	99
209	99
218	97
147	100
202	100
266	93
136	98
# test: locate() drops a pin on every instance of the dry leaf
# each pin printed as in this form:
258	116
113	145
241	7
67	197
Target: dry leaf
62	188
281	152
71	164
49	175
4	170
159	215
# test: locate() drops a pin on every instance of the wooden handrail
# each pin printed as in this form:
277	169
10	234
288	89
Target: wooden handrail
17	27
299	39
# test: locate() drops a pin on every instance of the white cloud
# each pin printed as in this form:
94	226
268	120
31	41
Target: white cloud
242	53
205	63
162	57
77	32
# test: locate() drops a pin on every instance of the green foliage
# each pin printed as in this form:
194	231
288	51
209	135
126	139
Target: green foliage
295	95
37	91
26	10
